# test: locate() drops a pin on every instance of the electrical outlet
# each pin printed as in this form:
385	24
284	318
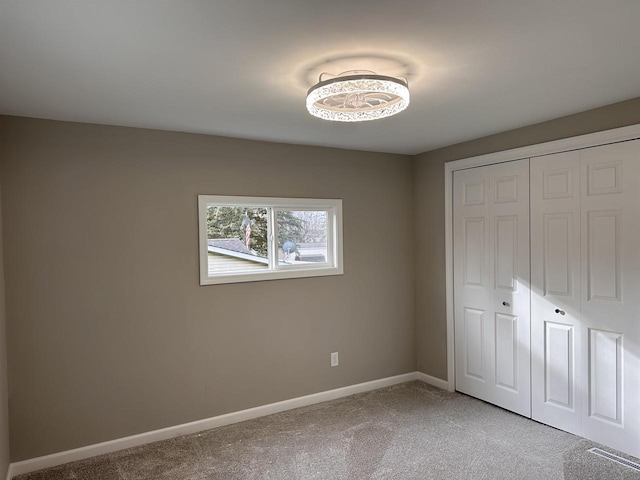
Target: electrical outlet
334	359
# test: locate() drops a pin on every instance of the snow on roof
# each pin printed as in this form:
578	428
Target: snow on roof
233	247
232	244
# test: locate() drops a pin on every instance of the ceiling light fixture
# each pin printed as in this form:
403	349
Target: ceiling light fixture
357	96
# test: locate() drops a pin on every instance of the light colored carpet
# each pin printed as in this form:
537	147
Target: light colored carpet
409	431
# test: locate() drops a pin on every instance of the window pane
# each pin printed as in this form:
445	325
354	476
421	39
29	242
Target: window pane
237	239
302	237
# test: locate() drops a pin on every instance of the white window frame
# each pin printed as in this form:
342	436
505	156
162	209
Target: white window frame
333	265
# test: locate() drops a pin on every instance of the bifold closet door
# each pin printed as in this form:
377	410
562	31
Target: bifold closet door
556	334
610	218
585	305
491	284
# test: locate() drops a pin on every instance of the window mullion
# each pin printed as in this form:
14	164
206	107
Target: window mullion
273	239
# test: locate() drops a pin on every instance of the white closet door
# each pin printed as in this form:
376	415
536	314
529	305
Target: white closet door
491	278
585	293
556	333
610	195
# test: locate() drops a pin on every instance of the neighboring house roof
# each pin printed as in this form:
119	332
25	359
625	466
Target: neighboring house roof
312	252
233	247
232	244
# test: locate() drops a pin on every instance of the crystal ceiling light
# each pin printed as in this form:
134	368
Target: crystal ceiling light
357	96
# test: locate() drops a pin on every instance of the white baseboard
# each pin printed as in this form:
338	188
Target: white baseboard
436	382
47	461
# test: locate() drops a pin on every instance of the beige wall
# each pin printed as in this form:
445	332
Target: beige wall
4	397
109	332
429	208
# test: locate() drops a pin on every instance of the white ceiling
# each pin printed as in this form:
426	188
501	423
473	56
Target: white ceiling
241	68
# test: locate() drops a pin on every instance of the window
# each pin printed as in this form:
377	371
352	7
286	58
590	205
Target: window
246	239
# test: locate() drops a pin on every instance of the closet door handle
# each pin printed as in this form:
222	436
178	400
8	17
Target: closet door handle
561	312
506	304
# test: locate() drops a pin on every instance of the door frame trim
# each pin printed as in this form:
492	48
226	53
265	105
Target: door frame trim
616	135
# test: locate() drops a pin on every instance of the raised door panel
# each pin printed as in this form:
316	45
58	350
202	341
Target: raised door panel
556	335
506	253
474	193
557	274
604	230
506	189
473	251
557	183
506	345
474	343
605	376
559	365
604	178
